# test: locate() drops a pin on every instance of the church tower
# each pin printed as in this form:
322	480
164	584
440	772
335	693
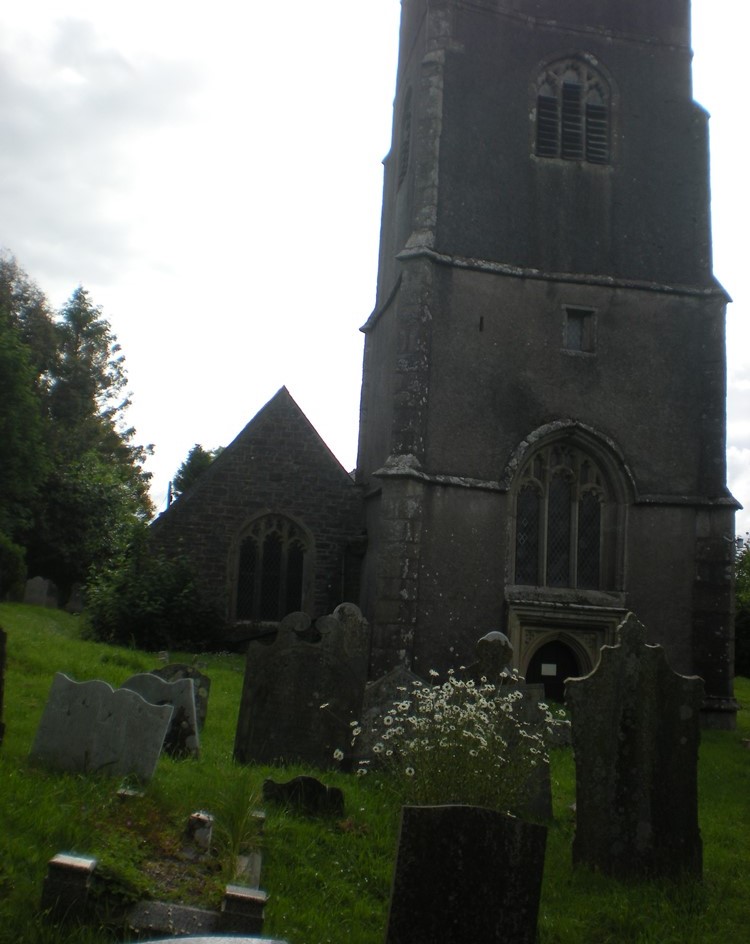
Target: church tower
542	440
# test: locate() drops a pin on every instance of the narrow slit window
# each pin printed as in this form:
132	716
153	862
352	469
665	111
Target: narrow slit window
579	330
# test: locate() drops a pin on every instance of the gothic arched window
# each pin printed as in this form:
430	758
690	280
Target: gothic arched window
270	569
572	113
562	502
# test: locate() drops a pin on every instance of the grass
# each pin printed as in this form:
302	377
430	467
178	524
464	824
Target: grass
328	881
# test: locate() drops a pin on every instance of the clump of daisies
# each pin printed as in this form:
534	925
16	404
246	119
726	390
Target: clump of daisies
460	741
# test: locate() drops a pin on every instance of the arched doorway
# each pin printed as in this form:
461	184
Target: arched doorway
551	664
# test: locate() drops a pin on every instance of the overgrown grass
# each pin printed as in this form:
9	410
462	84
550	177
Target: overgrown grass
329	881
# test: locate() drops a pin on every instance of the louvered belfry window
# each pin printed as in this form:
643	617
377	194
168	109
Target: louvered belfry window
573	114
559	520
270	569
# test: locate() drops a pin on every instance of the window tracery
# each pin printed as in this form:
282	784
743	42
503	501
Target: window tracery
573	113
560	536
270	570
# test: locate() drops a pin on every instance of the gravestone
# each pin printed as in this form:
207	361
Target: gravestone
201	685
493	666
3	651
182	737
465	874
306	795
86	727
299	696
380	696
636	733
494	653
40	592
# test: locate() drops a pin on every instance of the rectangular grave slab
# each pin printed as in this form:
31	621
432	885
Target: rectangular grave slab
465	874
182	738
636	731
87	727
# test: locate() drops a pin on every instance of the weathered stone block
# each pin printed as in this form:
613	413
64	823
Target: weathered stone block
66	886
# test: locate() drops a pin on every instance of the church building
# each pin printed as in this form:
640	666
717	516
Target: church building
542	427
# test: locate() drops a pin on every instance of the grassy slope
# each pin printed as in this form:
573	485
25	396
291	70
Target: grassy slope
328	881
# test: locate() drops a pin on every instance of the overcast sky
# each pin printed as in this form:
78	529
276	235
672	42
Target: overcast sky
212	175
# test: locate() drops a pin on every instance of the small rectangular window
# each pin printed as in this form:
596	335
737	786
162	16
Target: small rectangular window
579	330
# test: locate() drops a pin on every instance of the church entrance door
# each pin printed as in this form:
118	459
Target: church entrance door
551	664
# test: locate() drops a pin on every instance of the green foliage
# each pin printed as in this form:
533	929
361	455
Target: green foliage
196	463
147	599
23	455
328	881
461	742
72	481
12	567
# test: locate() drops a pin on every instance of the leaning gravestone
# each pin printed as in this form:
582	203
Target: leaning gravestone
86	727
465	874
201	685
182	737
635	733
299	696
3	649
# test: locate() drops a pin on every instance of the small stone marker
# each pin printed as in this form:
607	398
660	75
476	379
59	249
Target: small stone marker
3	656
299	696
199	830
66	886
182	738
86	727
465	874
242	910
636	733
306	795
201	685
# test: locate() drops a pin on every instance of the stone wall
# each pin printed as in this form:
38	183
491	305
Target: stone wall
278	464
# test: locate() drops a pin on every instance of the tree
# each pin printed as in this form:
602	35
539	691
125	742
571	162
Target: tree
25	352
196	463
97	488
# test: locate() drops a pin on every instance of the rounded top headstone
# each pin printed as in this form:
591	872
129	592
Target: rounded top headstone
494	651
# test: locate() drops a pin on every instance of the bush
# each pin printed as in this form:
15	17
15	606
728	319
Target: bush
12	568
462	742
150	600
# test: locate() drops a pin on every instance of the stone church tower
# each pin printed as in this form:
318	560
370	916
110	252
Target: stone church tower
542	442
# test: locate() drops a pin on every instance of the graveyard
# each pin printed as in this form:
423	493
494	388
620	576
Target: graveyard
328	877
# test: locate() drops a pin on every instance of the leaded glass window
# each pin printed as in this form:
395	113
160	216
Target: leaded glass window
270	569
559	520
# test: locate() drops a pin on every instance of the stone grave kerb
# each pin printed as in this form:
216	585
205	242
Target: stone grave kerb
635	734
